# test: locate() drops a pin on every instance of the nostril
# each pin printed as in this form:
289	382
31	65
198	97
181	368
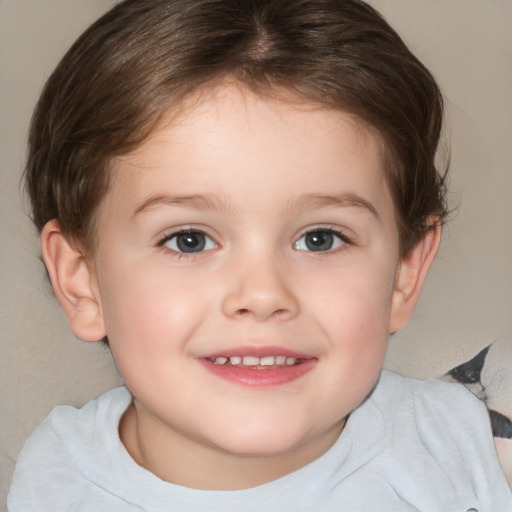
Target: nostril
277	313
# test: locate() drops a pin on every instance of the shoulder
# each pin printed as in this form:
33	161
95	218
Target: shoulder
49	470
443	431
433	412
431	393
431	403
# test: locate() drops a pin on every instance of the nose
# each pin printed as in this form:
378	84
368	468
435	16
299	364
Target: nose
259	290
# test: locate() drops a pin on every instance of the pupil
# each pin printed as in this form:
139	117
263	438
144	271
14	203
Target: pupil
319	241
190	242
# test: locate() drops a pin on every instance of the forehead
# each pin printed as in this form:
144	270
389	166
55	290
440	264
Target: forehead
230	134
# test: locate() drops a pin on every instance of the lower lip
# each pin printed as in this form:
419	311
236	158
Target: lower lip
261	378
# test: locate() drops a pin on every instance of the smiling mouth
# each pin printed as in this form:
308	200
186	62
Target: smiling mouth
259	370
258	366
257	363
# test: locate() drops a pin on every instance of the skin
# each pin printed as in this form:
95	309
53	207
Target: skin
254	175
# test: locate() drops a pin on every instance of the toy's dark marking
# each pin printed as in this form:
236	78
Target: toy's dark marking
469	372
501	425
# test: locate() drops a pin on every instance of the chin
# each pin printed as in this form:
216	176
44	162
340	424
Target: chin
263	443
277	439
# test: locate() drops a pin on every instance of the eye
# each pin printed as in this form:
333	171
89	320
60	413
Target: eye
320	240
188	241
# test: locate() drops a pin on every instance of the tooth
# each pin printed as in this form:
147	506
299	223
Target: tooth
251	361
256	361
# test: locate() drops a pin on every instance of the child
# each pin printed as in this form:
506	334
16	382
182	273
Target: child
240	198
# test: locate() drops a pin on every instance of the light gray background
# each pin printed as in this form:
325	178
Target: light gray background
467	302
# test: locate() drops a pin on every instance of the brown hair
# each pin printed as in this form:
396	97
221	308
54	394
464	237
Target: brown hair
144	56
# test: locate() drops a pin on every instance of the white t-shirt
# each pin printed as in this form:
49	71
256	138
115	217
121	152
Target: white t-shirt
421	446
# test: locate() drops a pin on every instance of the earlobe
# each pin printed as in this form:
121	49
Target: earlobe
410	277
74	283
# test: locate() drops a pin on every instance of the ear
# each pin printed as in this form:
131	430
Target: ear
411	274
74	283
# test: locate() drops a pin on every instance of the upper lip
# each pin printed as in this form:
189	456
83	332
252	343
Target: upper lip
257	351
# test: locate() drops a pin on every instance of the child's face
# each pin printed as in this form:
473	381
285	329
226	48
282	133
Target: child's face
249	228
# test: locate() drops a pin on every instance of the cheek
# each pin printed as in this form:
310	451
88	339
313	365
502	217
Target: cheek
144	308
154	312
354	300
354	317
148	322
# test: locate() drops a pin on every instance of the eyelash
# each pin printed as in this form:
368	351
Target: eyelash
186	231
343	240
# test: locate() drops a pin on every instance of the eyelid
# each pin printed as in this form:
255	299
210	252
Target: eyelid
337	232
184	230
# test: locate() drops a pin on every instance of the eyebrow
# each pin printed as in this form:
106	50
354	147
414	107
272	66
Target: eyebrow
207	202
313	201
198	201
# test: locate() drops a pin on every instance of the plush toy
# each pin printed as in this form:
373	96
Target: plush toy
488	375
